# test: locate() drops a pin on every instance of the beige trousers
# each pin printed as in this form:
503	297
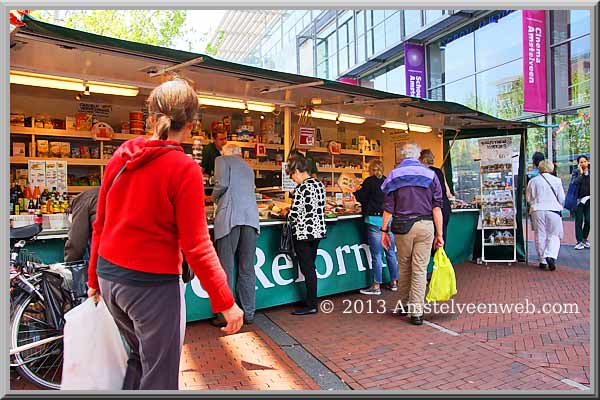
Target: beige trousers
414	252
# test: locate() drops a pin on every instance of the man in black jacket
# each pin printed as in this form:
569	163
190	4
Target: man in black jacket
83	215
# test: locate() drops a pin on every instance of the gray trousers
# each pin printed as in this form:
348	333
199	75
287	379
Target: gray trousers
240	245
151	319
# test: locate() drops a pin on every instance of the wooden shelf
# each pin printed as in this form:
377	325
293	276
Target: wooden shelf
333	189
348	152
79	189
70	161
373	153
265	167
318	150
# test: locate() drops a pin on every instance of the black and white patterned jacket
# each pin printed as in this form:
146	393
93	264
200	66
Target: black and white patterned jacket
307	214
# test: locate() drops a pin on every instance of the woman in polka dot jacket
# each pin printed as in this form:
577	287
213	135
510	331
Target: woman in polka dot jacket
307	218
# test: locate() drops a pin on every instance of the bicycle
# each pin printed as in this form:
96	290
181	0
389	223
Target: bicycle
40	295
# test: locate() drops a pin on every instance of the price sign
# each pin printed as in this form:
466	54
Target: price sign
496	151
287	184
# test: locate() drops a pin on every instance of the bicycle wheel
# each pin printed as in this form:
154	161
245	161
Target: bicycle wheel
41	365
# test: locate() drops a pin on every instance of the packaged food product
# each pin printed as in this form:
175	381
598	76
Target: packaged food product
70	122
95	152
42	148
83	121
58	123
136	131
18	149
85	151
136	124
136	116
17	119
65	150
55	149
75	153
125	127
102	130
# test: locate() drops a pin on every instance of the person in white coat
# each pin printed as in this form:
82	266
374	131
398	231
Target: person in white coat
546	196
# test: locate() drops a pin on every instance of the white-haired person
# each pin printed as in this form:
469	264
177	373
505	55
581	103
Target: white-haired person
413	197
236	226
546	196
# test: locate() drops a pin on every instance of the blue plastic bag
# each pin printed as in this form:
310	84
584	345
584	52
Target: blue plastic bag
571	197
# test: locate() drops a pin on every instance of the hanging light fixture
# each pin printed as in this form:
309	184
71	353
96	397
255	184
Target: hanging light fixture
65	83
419	128
333	116
395	125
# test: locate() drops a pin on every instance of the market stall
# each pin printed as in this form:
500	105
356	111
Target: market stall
76	96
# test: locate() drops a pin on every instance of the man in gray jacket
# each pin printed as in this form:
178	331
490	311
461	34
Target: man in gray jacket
236	224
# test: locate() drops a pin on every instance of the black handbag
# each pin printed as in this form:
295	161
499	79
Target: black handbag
403	225
286	242
186	272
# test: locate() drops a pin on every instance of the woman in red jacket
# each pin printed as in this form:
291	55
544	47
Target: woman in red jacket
151	205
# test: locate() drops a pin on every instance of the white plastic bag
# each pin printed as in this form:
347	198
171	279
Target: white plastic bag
94	354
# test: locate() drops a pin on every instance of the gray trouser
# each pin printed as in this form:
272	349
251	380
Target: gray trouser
151	319
240	244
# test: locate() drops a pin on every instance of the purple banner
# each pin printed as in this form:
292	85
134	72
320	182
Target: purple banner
534	61
414	62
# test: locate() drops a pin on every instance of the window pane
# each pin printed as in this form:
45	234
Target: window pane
436	65
351	57
379	38
306	58
361	49
396	82
360	23
465	171
569	23
369	43
332	43
572	141
343	56
333	71
537	140
412	21
392	30
509	48
571	73
378	17
375	81
459	58
322	70
437	94
462	92
500	91
389	13
432	15
322	52
343	35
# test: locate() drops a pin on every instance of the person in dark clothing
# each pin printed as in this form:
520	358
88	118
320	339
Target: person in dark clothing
371	197
581	178
211	151
428	159
83	215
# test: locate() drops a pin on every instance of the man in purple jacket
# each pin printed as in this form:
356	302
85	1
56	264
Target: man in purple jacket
413	197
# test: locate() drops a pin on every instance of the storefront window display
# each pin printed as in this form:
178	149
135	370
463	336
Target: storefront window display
570	139
464	156
571	73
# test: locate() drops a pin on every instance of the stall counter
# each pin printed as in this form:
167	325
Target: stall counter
342	261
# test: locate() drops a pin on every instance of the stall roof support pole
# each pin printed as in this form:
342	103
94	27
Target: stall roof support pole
289	87
287	132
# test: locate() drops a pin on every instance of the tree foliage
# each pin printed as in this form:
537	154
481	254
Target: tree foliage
154	27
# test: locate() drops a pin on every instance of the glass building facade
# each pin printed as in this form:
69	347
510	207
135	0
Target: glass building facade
477	61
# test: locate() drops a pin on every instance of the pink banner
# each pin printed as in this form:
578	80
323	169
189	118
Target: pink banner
350	81
534	61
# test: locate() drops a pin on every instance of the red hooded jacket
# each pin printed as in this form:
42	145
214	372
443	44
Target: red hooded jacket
155	209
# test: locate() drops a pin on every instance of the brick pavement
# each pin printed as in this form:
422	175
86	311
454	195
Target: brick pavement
492	351
383	351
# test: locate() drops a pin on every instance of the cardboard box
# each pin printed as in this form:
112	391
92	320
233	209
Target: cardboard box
17	119
55	149
43	148
70	122
18	150
65	150
83	121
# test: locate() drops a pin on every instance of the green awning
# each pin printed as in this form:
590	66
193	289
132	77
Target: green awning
37	28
